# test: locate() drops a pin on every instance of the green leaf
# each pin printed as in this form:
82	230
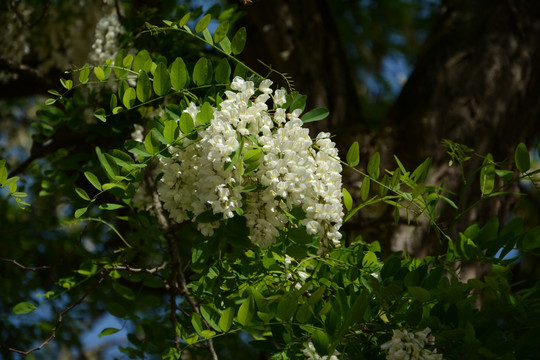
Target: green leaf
186	123
170	131
197	323
211	316
347	199
223	72
364	188
142	61
203	23
221	32
100	115
119	69
108	331
315	115
23	308
201	72
321	342
105	164
124	291
3	175
206	114
179	74
239	41
68	84
487	175
184	20
226	45
129	97
82	194
111	206
369	260
50	101
287	307
353	155
128	60
151	144
419	293
298	102
113	102
80	212
246	311
144	87
373	165
522	159
162	80
208	36
100	73
226	319
84	74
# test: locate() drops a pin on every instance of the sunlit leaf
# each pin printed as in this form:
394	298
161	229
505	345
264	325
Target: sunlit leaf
203	23
221	32
129	98
23	308
179	74
186	123
347	199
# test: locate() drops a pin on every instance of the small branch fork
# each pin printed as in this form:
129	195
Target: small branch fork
59	321
178	275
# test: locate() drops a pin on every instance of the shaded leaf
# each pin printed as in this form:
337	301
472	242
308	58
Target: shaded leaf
162	80
522	159
353	155
108	331
144	88
239	41
315	115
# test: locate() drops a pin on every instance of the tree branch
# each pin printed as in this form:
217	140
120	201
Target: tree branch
176	260
59	321
26	267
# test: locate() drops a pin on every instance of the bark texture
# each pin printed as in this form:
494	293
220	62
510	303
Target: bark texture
476	82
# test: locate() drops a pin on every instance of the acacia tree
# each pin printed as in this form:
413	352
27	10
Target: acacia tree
174	187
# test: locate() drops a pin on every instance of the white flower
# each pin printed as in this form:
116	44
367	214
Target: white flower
408	346
279	97
311	353
292	172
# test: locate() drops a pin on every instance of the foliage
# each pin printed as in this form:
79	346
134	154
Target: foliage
180	291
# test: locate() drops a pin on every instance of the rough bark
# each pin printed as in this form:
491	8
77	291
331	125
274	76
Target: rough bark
476	82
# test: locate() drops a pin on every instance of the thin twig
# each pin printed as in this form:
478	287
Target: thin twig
26	267
59	321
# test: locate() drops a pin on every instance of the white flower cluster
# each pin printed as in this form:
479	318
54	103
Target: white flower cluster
57	36
408	346
106	44
311	353
290	173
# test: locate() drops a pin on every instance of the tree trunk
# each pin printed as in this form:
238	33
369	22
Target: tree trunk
476	82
